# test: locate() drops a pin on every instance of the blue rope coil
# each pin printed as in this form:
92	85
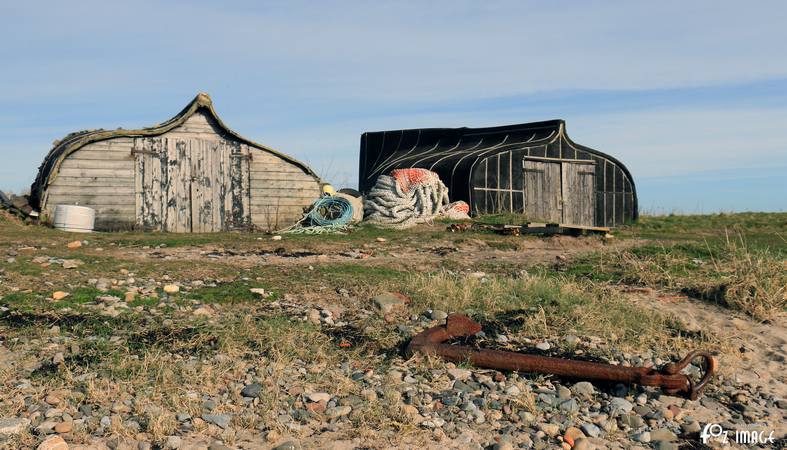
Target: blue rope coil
330	211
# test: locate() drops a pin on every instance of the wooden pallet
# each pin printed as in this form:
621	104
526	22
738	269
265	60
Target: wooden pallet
543	228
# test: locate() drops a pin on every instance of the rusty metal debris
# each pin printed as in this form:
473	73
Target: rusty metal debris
668	378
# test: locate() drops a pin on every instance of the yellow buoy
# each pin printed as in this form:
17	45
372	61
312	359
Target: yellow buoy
328	189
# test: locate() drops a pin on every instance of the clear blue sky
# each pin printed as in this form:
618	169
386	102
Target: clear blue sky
691	96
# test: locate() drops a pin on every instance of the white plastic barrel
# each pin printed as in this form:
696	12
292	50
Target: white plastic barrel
77	219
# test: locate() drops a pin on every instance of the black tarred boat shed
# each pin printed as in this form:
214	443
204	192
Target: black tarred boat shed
532	169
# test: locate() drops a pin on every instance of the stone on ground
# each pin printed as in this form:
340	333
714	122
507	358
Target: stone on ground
13	425
388	301
53	442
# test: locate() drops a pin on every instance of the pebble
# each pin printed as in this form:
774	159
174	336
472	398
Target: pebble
569	406
171	288
289	445
13	425
551	429
572	434
74	245
662	434
543	346
619	405
64	427
59	295
632	421
590	430
583	389
71	263
438	315
173	442
53	442
319	397
251	390
459	374
389	301
643	437
513	391
222	420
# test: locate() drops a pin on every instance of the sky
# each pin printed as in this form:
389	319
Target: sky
691	96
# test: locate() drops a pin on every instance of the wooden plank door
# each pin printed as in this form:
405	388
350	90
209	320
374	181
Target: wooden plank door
150	179
542	191
220	186
191	185
177	190
579	199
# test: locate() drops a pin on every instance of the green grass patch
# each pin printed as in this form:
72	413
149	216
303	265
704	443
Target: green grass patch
147	302
506	245
356	270
22	266
42	301
761	230
234	292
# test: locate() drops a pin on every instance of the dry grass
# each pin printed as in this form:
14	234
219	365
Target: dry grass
541	306
729	272
754	282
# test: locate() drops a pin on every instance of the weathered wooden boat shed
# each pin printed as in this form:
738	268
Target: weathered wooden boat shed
188	174
532	169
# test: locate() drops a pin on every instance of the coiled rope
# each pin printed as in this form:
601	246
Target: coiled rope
327	215
330	211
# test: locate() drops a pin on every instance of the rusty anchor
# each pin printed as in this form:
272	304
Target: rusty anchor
668	378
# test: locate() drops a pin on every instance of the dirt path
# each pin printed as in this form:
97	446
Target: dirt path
467	251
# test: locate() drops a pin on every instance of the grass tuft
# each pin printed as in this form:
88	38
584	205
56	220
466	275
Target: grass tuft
730	272
541	306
